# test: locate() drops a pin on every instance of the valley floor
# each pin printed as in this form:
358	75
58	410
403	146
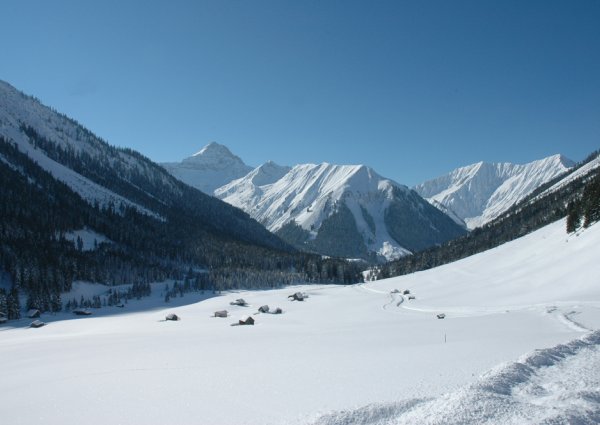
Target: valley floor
518	345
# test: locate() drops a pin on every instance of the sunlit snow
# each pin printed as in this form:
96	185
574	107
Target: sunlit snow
346	355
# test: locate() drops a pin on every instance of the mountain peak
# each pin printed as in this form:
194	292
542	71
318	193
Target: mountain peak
480	192
211	167
213	152
560	158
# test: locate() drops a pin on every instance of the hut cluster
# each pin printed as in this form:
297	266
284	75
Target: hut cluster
249	319
240	302
35	313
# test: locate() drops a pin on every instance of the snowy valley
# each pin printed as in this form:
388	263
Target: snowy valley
518	344
101	248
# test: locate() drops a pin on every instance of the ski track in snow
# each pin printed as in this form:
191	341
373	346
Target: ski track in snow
398	300
557	385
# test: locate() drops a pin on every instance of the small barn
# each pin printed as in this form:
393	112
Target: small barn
82	312
240	301
441	316
277	311
172	316
298	296
406	292
221	313
263	309
246	320
33	313
37	324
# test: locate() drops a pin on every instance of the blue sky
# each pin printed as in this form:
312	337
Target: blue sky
411	88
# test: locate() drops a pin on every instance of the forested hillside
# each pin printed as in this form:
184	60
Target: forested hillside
59	181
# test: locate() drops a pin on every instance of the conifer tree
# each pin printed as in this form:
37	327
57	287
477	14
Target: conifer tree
573	216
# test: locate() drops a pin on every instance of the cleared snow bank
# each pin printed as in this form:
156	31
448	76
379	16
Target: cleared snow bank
552	385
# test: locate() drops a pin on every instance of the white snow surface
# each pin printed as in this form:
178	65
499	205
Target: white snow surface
89	238
480	192
308	194
519	344
211	167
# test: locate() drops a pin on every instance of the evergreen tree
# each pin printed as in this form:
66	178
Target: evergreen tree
13	304
3	302
573	216
591	199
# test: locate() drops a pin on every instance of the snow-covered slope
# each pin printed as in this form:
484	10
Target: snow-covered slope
519	344
481	192
578	173
111	179
212	167
366	207
18	110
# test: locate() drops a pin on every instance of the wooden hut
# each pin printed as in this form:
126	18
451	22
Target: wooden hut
240	301
37	324
298	296
246	320
82	312
221	313
33	313
263	309
172	316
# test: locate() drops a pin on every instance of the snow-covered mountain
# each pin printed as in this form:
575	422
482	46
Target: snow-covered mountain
212	167
21	116
340	210
71	181
480	192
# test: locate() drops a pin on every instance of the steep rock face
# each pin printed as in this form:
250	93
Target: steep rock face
339	210
481	192
212	167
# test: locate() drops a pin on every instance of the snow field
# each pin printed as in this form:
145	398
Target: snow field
354	354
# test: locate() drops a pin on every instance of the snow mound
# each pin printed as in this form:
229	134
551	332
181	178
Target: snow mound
553	385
